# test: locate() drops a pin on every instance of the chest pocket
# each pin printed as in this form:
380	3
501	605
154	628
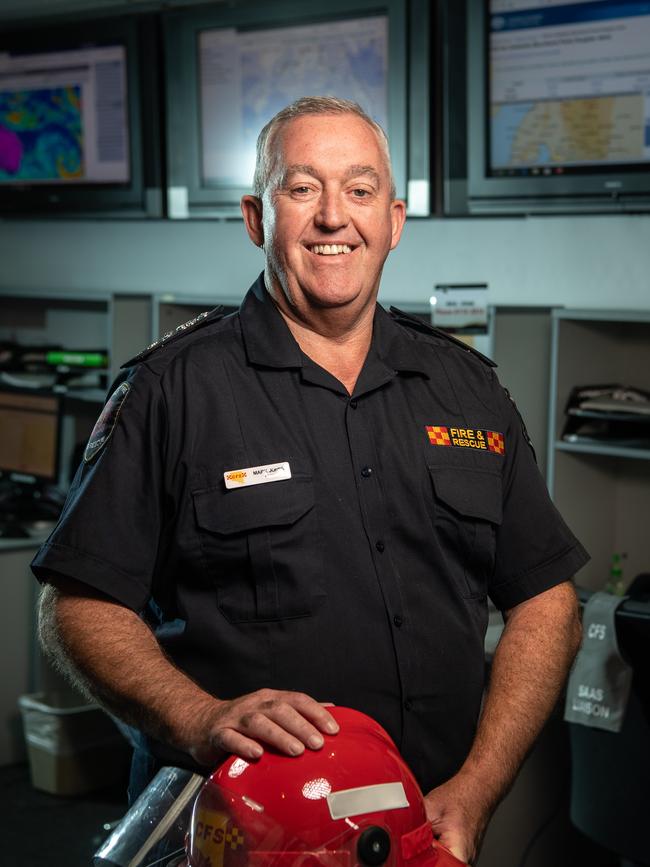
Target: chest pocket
467	512
262	549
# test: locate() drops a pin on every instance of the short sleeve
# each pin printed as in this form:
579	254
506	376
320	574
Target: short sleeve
108	533
535	547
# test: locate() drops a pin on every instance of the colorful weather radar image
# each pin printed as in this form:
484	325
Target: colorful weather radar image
41	135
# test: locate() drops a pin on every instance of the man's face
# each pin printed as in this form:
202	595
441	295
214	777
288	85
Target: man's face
328	220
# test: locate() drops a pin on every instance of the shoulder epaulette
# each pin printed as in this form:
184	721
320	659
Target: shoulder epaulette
206	318
524	429
420	325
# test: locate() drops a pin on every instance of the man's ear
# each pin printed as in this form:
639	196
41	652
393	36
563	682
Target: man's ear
397	218
251	208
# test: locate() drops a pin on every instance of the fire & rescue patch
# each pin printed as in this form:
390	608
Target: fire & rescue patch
106	421
467	438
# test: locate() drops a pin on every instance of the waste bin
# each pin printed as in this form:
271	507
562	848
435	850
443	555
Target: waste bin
73	746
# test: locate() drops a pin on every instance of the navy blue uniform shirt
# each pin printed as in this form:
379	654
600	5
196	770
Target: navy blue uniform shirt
362	579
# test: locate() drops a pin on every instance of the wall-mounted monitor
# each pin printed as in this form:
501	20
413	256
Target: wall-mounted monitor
79	126
30	424
559	106
231	67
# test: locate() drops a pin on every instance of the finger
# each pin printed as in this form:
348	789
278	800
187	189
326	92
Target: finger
314	711
454	844
210	754
230	741
271	726
294	723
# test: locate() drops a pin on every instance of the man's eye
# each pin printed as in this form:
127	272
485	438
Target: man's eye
301	190
360	193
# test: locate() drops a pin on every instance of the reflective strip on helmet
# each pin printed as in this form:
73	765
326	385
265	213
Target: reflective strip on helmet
367	799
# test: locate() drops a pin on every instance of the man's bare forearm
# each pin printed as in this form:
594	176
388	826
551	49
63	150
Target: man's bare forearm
113	655
530	666
532	659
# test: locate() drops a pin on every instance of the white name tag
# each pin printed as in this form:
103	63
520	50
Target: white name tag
257	475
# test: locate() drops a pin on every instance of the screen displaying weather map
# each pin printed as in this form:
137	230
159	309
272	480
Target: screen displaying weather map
248	76
569	86
63	117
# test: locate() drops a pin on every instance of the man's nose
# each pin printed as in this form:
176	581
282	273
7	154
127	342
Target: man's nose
332	212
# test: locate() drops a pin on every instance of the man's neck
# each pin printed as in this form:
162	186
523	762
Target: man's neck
334	342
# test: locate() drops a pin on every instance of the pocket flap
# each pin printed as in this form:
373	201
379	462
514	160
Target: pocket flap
271	505
469	491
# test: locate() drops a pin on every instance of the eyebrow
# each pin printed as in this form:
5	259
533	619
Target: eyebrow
353	171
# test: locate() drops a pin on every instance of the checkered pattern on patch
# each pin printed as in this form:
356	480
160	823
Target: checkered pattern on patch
438	435
496	442
234	838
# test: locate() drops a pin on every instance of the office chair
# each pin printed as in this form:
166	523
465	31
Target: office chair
610	773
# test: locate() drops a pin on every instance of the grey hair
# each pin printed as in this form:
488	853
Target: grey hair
266	157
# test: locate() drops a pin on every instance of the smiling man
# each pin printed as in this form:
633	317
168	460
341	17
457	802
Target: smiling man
327	226
273	515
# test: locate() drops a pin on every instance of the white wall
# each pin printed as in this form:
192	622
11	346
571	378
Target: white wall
595	261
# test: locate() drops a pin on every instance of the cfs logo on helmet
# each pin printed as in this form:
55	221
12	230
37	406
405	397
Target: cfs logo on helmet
218	840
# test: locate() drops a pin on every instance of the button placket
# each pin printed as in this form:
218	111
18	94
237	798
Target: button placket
362	432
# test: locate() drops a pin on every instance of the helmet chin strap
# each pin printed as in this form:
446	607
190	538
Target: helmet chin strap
417	841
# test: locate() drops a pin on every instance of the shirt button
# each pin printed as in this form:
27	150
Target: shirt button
353	404
379	545
397	620
408	704
366	472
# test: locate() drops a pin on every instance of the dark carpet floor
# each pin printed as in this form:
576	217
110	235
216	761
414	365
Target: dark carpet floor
43	830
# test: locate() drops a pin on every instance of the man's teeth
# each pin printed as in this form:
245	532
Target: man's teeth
330	249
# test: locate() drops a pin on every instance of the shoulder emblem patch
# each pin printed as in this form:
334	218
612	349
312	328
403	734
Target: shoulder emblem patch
106	422
466	438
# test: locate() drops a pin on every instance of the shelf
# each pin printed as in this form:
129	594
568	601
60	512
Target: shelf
600	449
601	484
607	316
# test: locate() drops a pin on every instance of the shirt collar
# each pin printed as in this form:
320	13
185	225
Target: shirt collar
270	343
396	346
267	338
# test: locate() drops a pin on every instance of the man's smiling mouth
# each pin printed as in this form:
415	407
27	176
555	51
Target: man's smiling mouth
330	249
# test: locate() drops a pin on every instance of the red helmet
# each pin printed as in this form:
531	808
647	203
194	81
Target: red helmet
353	803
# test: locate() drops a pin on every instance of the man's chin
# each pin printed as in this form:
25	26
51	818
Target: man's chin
335	295
320	296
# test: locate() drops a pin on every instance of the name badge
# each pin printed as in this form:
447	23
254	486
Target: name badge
257	475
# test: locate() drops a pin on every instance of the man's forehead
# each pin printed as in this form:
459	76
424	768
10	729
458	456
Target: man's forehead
334	130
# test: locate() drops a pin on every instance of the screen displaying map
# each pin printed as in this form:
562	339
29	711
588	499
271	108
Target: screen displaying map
63	117
41	134
569	86
248	76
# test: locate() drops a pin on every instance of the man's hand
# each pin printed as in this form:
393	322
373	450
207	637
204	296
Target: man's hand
458	817
286	721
